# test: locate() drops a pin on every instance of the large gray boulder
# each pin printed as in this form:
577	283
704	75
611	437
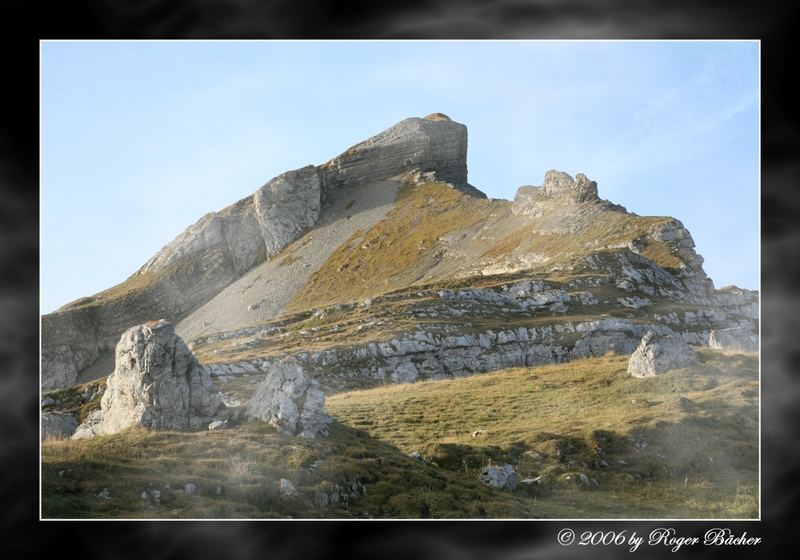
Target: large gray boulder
56	425
157	384
291	401
735	339
658	353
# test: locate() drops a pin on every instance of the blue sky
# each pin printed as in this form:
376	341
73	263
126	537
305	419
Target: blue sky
140	139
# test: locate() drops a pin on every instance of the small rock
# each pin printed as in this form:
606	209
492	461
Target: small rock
62	472
478	433
253	307
415	455
218	425
287	488
219	490
503	477
578	479
104	494
190	488
537	480
47	401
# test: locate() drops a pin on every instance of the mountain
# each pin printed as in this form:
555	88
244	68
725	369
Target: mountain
385	265
328	329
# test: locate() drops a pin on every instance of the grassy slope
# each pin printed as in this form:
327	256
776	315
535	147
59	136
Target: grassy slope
701	458
404	247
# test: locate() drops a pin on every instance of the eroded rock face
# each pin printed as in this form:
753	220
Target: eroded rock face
658	353
291	401
56	425
735	339
288	205
157	384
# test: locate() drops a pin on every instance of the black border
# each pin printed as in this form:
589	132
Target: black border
23	534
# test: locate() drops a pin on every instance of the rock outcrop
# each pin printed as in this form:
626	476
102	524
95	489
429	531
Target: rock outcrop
291	401
434	143
736	339
157	384
56	425
659	353
500	477
558	188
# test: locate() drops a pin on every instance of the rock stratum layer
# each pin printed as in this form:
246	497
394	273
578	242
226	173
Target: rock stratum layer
385	265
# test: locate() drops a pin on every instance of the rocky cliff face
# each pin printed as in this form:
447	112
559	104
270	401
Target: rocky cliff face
431	144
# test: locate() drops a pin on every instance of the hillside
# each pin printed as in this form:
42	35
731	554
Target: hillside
684	444
445	333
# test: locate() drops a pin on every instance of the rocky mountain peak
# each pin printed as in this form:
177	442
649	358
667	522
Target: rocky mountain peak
432	144
558	187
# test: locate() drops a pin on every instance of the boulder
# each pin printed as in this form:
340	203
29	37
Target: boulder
735	339
658	353
56	425
291	401
157	383
503	477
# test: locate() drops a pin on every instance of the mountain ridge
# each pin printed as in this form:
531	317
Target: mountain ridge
389	213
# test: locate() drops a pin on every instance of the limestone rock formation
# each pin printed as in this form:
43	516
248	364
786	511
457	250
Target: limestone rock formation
659	353
735	339
56	425
561	186
558	188
157	384
291	401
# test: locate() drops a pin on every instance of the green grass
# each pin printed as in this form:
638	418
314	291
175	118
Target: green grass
701	458
700	427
